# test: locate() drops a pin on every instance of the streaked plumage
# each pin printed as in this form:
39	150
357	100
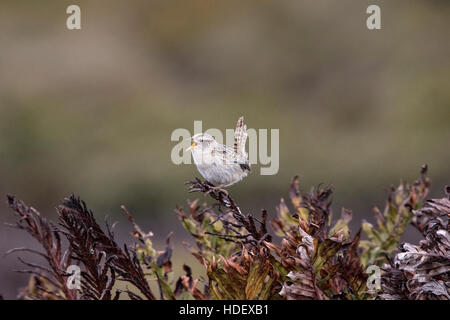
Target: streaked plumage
219	164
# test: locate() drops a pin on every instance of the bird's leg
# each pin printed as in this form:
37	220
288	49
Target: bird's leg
220	189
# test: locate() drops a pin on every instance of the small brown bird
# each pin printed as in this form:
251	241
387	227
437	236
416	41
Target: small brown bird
219	164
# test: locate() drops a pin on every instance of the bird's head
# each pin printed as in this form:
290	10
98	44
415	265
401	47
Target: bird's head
201	141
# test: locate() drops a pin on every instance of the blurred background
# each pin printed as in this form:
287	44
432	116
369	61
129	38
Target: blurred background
91	111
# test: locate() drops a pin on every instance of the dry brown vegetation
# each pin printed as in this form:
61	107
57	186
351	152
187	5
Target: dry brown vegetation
305	257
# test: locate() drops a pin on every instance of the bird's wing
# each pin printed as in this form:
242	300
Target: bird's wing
226	155
240	137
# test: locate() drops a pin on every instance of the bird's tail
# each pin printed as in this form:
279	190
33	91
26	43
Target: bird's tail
240	136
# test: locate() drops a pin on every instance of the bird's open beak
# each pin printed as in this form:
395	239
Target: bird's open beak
192	146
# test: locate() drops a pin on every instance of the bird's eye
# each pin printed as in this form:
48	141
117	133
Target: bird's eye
201	140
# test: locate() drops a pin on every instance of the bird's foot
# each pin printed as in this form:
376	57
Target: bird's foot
220	189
